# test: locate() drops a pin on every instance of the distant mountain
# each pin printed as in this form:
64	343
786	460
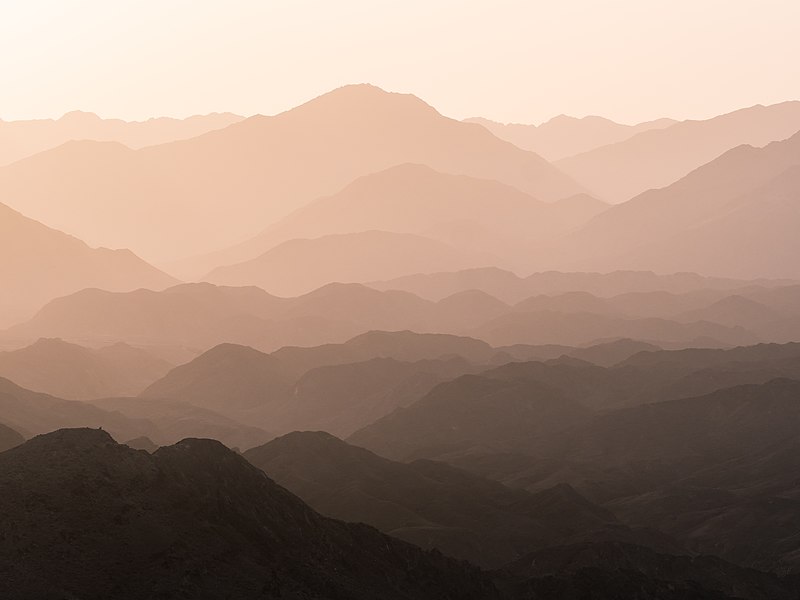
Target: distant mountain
470	413
19	139
226	378
31	413
174	420
142	443
429	504
301	266
38	264
511	288
733	310
218	189
183	321
196	520
660	157
74	372
582	328
744	201
9	438
199	316
607	354
342	398
476	216
196	316
405	346
564	136
477	415
338	387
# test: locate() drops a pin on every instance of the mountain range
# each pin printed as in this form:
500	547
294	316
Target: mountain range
38	263
192	519
20	139
243	177
659	157
564	136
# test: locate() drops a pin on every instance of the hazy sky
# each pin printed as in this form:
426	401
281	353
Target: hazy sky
509	60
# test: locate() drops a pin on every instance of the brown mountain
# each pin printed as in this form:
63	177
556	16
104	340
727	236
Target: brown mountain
31	413
471	214
336	387
74	372
193	520
511	288
38	263
194	196
426	503
300	266
194	317
564	136
657	158
174	420
472	413
732	217
19	139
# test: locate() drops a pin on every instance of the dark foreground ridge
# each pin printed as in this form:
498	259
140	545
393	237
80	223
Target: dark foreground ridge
84	517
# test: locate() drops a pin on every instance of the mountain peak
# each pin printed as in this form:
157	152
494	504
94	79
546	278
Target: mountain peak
355	99
79	117
75	439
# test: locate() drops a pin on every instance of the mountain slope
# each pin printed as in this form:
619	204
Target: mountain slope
564	136
38	264
300	266
471	214
193	520
730	205
469	413
19	139
31	413
73	372
218	189
336	387
426	503
226	378
657	158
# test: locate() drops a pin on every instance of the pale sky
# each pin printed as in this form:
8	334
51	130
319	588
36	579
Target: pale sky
509	60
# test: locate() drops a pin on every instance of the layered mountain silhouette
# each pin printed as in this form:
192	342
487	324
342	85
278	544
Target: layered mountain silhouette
429	504
30	413
731	217
476	216
20	139
192	519
301	266
511	288
338	387
74	372
565	136
38	263
185	320
471	412
660	157
174	420
161	420
220	188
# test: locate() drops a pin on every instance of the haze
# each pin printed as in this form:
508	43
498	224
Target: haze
511	61
291	309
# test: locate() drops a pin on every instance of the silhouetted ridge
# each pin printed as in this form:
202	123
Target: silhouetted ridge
192	520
